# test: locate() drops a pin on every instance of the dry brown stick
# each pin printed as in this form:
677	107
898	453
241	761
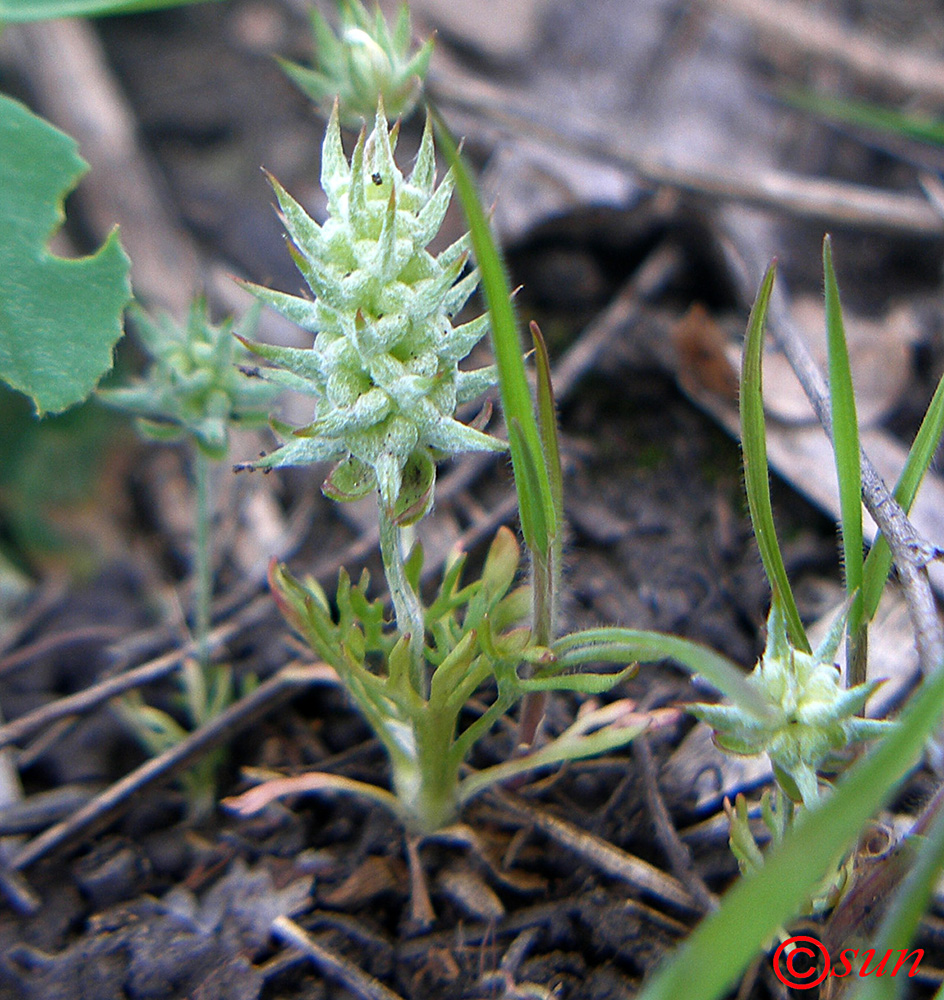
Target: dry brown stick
804	28
42	600
105	806
41	647
329	964
91	697
601	854
832	202
678	853
67	68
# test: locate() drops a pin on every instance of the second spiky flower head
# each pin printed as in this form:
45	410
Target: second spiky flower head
365	59
192	388
384	363
809	714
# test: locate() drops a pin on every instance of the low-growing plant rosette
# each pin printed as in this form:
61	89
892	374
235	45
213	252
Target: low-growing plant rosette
192	388
193	391
478	639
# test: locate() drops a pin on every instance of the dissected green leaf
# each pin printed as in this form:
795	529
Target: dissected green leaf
44	10
626	645
59	319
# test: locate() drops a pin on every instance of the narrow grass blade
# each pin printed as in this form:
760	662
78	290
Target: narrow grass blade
923	128
534	493
721	947
879	560
528	483
845	440
546	579
547	419
756	472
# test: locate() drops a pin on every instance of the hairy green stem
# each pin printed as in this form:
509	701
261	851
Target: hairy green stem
202	562
406	602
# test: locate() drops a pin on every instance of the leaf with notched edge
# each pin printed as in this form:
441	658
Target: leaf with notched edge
59	319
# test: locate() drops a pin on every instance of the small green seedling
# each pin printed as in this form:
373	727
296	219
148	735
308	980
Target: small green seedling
193	391
384	368
811	718
363	60
808	864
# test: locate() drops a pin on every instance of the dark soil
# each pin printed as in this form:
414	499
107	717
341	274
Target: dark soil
154	906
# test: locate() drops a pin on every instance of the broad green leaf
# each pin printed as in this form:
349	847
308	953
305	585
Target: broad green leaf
845	439
721	947
879	560
59	319
756	472
44	10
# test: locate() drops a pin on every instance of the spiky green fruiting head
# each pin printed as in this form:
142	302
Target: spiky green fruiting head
364	61
192	387
384	365
810	716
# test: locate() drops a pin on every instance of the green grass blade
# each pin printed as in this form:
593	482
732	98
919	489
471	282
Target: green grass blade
845	440
923	128
721	947
533	493
756	473
527	481
547	420
44	10
879	560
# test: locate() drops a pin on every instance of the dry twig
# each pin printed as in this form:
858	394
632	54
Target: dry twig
104	807
329	964
825	201
601	854
678	853
806	29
